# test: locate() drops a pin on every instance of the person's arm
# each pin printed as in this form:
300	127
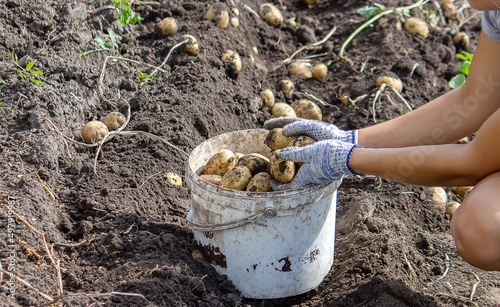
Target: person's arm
443	165
450	117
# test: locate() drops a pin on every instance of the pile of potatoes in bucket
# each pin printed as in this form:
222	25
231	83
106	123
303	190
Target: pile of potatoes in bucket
253	172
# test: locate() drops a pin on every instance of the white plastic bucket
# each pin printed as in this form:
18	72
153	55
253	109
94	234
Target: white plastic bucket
270	245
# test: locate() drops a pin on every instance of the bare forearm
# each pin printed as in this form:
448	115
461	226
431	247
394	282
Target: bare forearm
421	165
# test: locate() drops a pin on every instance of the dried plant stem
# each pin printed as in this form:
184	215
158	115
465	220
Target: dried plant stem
153	73
313	45
27	284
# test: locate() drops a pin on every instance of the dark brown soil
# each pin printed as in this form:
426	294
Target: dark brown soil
122	229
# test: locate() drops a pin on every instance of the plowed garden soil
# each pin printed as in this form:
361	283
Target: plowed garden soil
117	236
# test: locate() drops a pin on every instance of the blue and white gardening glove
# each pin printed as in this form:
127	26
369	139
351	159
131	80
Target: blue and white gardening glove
319	130
324	161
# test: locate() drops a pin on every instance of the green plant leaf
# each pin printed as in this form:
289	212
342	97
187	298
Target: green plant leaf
36	72
37	81
101	43
2	82
20	73
464	69
371	10
30	65
457	81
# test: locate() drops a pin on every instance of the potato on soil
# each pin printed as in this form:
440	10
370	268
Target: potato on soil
393	83
452	207
191	46
462	191
310	3
114	120
282	109
236	178
255	162
461	40
440	198
218	13
261	182
319	71
94	132
300	69
220	163
235	22
275	139
417	26
232	57
270	14
285	85
268	98
281	170
307	109
167	26
213	179
173	178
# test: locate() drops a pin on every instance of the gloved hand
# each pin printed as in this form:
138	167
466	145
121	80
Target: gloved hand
324	161
317	129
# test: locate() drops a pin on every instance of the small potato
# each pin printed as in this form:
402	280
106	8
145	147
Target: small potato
173	178
261	182
275	139
393	83
167	26
232	57
281	170
319	71
236	178
310	3
307	109
417	26
449	10
301	141
268	98
440	198
462	191
270	14
191	46
255	162
461	40
218	13
282	109
235	22
452	207
213	179
300	69
114	120
285	86
220	163
94	132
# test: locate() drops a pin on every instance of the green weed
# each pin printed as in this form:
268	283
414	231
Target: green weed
125	13
114	38
27	74
459	79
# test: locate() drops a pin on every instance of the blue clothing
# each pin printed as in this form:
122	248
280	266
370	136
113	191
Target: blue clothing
491	25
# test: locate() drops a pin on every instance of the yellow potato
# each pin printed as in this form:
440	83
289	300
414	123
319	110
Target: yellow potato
417	26
255	162
236	178
462	191
238	155
114	120
232	57
213	179
94	132
461	40
261	182
301	141
452	207
319	71
220	163
393	83
270	14
281	170
191	46
219	14
267	98
168	26
307	109
275	139
283	109
285	85
440	198
300	69
173	178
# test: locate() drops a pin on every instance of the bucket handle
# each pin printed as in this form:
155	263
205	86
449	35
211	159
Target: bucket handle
268	212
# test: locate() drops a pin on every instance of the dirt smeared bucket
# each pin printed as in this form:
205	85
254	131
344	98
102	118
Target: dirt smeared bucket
270	245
